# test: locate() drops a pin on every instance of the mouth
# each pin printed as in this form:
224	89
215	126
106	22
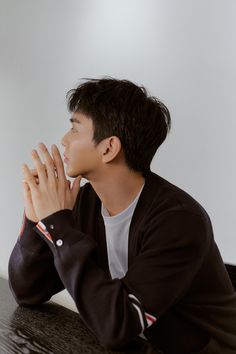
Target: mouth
65	158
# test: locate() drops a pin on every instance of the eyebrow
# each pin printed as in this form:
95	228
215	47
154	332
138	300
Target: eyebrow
74	120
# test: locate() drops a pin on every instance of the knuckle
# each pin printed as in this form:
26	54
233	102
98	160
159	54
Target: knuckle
30	179
41	168
50	164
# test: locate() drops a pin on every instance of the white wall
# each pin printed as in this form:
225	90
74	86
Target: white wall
183	51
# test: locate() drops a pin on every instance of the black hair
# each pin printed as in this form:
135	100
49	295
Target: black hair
121	108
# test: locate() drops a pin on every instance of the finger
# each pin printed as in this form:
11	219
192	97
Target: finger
49	163
35	172
36	178
76	182
68	184
26	191
26	188
39	166
29	178
59	163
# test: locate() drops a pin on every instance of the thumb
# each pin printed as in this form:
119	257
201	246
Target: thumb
68	183
76	185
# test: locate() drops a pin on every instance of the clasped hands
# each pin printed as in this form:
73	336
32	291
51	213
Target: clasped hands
47	190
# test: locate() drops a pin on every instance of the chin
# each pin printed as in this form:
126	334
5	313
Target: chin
73	174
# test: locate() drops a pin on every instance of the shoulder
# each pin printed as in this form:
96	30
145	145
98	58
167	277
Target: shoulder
168	213
164	196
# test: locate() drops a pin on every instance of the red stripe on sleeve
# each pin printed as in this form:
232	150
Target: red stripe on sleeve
44	232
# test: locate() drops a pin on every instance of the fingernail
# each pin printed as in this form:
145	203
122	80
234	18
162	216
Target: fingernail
41	146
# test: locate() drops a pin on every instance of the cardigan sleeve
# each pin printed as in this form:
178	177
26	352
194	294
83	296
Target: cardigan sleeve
103	303
173	248
117	310
32	275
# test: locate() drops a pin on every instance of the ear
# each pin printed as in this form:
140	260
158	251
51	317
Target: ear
111	148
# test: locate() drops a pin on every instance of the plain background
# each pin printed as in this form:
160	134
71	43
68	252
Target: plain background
182	51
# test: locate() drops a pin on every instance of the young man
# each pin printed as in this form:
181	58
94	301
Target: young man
135	252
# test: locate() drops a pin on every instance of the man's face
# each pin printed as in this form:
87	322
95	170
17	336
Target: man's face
81	155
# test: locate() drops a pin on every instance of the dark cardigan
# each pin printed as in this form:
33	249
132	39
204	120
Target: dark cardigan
176	286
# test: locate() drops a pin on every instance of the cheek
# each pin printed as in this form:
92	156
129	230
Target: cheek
82	152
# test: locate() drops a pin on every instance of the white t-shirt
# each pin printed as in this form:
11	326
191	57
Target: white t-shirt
117	237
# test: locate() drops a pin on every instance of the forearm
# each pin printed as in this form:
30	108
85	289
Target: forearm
32	275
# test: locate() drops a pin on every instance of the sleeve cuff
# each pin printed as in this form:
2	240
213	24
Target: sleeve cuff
58	228
28	238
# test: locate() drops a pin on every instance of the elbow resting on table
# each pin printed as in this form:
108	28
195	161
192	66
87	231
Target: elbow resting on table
26	299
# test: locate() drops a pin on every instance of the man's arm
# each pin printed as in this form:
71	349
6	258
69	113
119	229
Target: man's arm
118	310
32	275
33	278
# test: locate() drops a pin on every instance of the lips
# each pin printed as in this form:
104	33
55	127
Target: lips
65	158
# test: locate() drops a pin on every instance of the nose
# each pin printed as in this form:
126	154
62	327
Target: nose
64	139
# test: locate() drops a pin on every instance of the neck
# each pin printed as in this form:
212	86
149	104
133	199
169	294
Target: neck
118	188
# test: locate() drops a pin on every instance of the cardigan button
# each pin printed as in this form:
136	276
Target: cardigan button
51	227
59	242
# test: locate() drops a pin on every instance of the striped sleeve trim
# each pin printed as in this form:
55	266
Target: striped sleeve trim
42	228
141	317
146	319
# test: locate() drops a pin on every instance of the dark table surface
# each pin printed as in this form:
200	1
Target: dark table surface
48	329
